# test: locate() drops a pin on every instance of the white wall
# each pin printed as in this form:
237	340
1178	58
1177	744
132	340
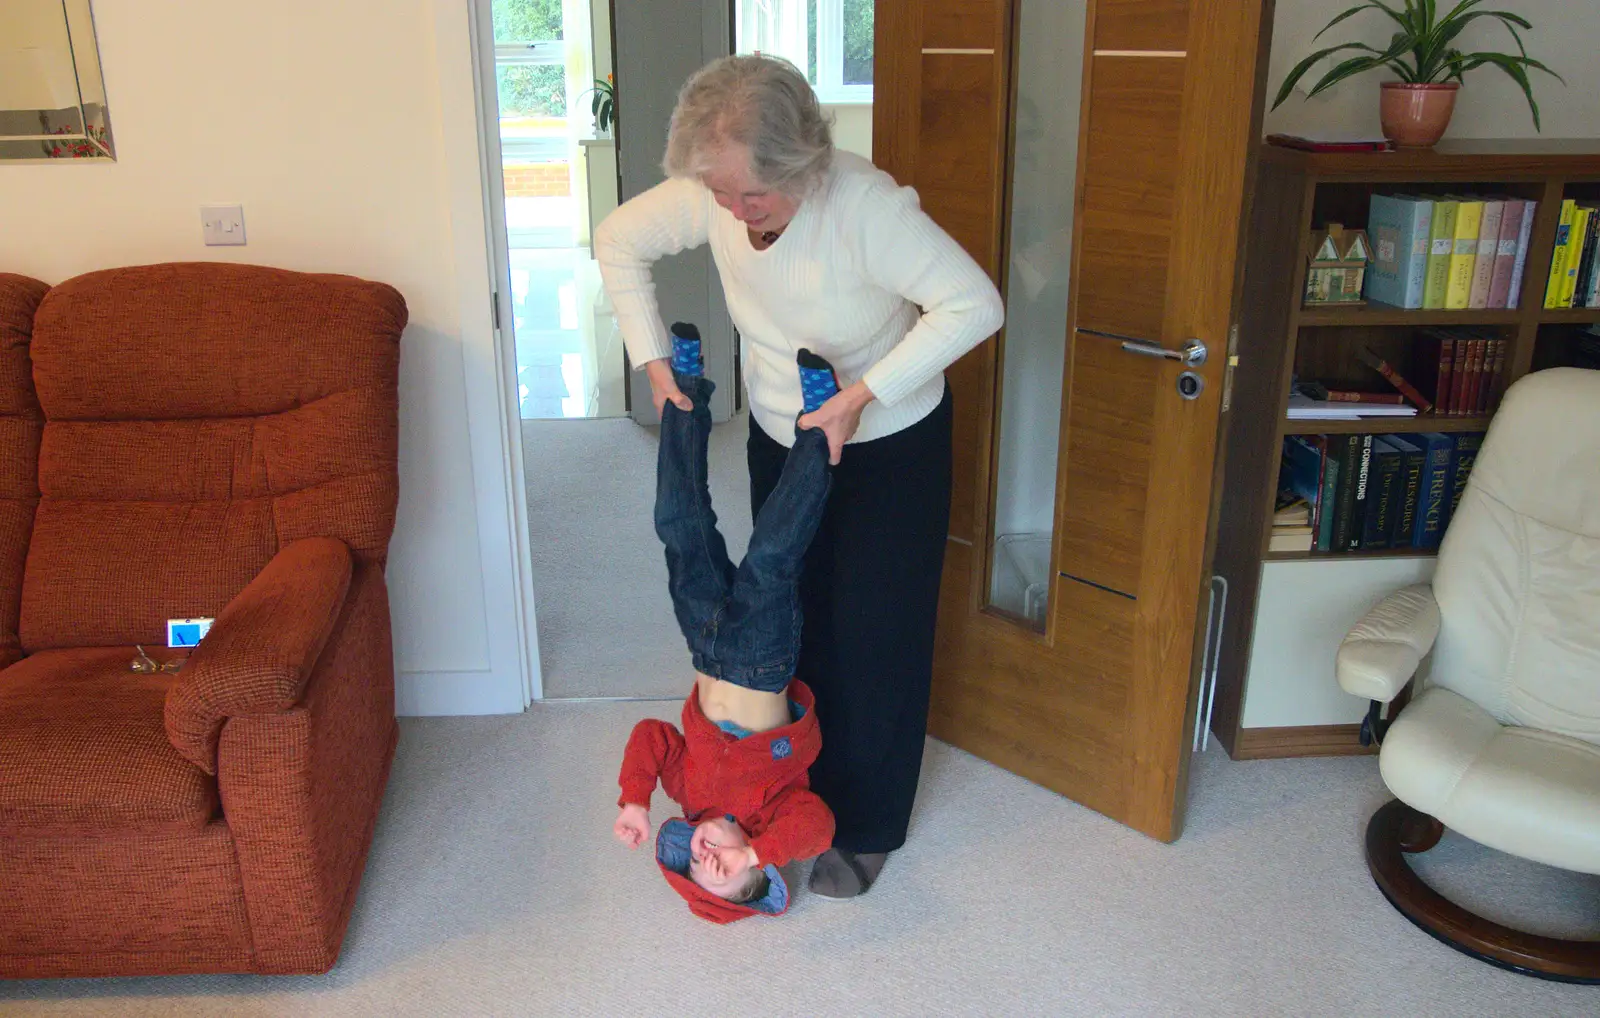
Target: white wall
346	130
852	128
1565	35
600	36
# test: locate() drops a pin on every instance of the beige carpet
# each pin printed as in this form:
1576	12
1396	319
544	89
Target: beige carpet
600	582
494	889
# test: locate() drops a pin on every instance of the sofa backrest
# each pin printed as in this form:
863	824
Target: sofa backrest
20	424
197	418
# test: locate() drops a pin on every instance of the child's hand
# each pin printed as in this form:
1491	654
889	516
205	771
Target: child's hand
728	863
632	826
699	845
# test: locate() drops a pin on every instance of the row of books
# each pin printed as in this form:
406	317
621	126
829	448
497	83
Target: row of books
1458	369
1574	277
1451	252
1368	492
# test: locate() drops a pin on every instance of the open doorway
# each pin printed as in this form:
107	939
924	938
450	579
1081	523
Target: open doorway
606	627
559	175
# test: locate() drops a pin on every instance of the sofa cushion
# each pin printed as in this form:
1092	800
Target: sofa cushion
83	747
20	423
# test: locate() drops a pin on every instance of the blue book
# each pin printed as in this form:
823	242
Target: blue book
1383	495
1412	458
1302	469
1433	495
1398	229
1462	456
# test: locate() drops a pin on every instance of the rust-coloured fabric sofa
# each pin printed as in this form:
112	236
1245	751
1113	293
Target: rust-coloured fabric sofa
192	440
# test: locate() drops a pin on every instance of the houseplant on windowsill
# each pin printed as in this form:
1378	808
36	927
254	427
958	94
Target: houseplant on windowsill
1416	109
604	106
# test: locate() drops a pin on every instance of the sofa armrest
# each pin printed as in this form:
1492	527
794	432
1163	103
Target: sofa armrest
1382	652
261	649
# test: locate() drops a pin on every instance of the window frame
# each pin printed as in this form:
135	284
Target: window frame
547	51
542	53
830	85
752	21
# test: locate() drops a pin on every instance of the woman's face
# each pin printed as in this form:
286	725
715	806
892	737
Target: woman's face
757	206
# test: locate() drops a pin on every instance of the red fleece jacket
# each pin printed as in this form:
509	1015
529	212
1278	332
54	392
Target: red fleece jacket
761	779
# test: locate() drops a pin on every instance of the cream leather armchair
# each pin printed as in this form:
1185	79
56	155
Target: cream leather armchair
1503	743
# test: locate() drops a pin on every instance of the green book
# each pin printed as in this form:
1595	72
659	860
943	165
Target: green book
1441	245
1327	498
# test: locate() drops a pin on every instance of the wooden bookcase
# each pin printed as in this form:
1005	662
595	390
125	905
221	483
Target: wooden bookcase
1295	192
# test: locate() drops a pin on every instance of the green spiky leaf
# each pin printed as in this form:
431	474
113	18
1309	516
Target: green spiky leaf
1423	49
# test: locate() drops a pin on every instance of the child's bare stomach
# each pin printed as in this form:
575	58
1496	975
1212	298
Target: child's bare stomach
747	708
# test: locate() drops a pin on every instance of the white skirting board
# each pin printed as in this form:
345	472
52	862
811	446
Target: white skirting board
435	694
1305	609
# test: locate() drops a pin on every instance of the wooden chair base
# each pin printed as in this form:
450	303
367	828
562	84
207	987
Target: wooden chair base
1397	829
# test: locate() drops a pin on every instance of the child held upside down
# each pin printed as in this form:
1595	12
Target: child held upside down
739	766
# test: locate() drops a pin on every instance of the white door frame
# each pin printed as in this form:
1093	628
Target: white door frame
510	678
481	18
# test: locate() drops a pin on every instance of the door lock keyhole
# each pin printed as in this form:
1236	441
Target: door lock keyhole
1190	385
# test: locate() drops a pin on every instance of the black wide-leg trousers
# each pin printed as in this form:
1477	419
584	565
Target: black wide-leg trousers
870	596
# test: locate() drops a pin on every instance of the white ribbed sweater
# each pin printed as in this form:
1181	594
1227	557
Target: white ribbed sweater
845	279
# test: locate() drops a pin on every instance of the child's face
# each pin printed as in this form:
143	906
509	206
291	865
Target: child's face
710	836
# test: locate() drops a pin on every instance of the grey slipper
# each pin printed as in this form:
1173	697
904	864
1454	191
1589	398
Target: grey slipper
840	875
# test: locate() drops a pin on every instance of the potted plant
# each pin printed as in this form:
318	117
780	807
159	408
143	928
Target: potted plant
1416	109
604	106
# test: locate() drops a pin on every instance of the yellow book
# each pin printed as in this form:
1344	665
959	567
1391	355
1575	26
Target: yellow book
1575	243
1464	253
1441	239
1558	260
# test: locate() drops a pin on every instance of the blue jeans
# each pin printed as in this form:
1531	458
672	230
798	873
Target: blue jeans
742	624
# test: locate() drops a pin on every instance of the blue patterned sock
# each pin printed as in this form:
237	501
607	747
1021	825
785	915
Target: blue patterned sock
818	384
686	359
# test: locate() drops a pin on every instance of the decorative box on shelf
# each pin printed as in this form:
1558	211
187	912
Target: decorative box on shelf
1337	265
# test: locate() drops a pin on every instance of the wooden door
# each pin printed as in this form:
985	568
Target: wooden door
1099	702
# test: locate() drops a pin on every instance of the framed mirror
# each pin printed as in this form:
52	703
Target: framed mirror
52	95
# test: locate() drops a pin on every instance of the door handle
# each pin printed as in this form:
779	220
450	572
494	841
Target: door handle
1191	354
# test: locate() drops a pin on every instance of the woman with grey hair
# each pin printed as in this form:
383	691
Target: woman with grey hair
819	249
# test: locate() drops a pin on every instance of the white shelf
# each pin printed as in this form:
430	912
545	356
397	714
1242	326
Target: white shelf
1304	610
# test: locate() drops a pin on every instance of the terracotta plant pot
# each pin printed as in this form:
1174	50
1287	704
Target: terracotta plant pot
1415	116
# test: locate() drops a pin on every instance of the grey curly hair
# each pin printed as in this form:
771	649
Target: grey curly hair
761	102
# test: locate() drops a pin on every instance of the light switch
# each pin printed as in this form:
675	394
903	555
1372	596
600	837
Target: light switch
222	224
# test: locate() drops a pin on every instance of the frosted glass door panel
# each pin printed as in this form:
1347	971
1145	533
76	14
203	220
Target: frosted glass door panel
1044	172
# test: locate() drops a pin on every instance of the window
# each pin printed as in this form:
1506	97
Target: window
530	72
831	40
528	57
